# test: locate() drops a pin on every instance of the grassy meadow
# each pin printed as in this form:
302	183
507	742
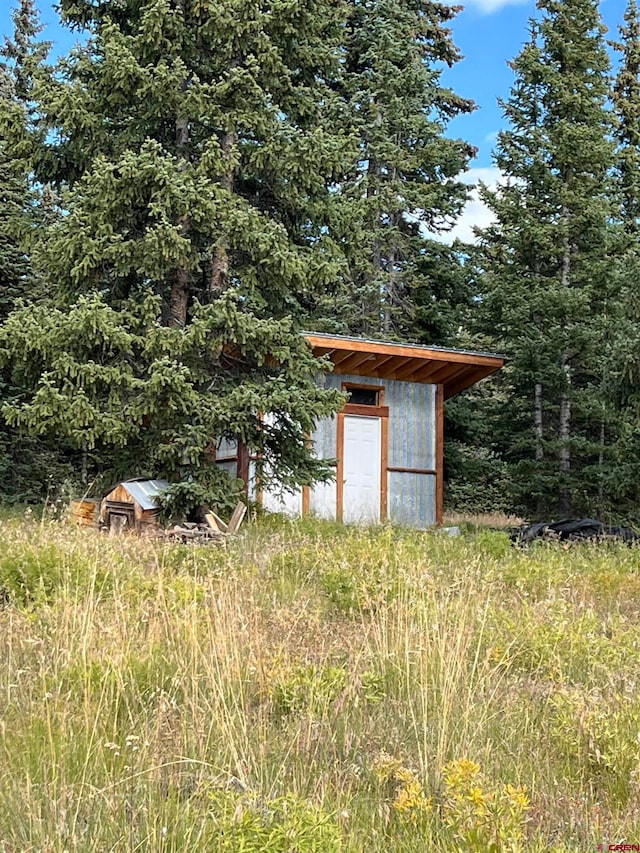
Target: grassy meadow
313	687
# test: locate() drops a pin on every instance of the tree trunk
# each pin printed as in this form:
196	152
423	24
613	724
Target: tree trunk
564	437
564	424
391	299
220	259
179	300
537	414
603	436
388	298
84	465
179	295
539	449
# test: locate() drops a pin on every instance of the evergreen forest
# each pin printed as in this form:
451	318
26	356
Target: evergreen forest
197	181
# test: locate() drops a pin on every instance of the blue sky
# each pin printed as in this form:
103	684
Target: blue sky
488	32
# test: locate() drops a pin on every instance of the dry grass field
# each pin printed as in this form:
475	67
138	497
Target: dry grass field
313	687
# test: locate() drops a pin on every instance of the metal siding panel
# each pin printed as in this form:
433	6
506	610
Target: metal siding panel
146	491
322	497
335	380
412	441
412	444
288	503
324	439
412	499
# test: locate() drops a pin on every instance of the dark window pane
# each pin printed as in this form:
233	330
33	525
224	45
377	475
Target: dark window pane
363	396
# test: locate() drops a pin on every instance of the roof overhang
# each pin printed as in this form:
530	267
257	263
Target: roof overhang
455	370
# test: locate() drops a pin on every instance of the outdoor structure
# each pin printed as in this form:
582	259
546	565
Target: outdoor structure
388	439
131	505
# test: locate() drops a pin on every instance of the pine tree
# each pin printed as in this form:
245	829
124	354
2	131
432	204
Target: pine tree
548	283
401	184
15	269
21	59
23	64
181	135
626	105
25	462
621	354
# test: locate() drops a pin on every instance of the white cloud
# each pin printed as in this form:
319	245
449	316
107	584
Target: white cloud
475	214
489	6
489	175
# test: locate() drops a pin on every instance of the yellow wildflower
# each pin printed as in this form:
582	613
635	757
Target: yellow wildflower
518	796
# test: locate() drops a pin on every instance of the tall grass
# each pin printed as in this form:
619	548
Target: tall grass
314	687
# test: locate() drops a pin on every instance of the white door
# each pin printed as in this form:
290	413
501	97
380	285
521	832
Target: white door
361	466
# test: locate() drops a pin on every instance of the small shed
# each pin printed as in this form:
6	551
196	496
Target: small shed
132	505
389	437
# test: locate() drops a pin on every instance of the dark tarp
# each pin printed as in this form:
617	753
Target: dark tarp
573	530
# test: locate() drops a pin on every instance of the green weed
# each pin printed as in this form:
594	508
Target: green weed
314	687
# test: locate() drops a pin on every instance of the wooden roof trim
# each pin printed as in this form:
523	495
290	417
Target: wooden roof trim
445	373
407	351
395	364
353	362
430	371
378	364
425	369
466	380
340	358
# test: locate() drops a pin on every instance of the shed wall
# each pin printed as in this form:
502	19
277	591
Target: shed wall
322	498
412	499
412	444
143	519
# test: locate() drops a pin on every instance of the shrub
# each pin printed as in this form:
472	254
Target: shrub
254	824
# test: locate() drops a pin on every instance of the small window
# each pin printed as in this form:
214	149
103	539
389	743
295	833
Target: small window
363	396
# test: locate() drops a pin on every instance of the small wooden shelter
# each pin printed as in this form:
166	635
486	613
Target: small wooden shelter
388	439
132	505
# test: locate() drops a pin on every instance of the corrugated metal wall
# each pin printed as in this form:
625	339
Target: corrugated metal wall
412	444
322	500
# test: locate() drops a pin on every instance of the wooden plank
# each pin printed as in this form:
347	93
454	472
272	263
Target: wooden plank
447	372
338	357
424	368
243	466
384	477
465	380
347	386
355	360
402	470
366	411
379	364
83	512
399	367
439	454
236	519
215	522
119	493
340	466
429	374
408	351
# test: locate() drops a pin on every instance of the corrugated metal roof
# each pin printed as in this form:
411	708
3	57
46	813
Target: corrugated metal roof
402	345
146	491
454	370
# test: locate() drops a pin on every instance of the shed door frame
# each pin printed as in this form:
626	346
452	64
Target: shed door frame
382	413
